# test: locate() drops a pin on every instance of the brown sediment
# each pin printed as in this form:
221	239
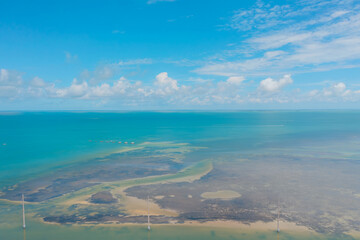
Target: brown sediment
259	225
137	207
17	202
354	234
222	194
256	226
159	197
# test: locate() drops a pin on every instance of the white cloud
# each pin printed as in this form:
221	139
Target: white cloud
103	73
253	66
37	82
124	86
104	90
165	84
336	90
236	80
227	91
313	93
167	91
260	16
271	85
339	88
75	90
10	84
100	74
4	75
120	88
306	35
10	78
106	72
10	92
164	91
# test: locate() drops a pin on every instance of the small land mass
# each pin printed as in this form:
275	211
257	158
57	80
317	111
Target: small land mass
222	194
103	197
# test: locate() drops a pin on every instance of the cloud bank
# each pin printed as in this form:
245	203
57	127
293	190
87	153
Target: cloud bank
306	36
164	90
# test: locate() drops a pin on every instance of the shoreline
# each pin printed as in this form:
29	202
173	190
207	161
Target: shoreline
221	224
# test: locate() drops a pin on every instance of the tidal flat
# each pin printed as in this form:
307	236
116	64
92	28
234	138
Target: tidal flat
235	180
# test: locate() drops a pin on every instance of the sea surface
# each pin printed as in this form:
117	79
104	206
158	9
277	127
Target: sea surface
36	143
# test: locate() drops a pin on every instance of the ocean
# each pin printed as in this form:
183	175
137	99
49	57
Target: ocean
311	151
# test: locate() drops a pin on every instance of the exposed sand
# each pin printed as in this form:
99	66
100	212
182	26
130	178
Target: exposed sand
256	226
83	199
159	197
126	149
223	194
138	207
354	234
357	195
164	143
17	202
261	226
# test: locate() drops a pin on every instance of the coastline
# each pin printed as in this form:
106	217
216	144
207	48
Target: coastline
218	224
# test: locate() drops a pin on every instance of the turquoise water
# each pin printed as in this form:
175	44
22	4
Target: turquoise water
37	140
34	143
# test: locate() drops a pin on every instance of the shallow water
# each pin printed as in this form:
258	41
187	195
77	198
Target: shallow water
38	231
34	144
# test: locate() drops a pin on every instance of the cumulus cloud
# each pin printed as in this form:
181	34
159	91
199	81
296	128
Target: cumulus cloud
336	90
167	91
82	90
271	85
227	91
75	90
165	84
10	83
104	90
10	78
236	80
37	82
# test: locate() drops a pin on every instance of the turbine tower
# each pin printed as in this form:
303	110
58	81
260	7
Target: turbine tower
23	208
148	213
278	220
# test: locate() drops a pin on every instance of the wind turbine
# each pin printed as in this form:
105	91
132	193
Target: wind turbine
148	213
278	220
23	208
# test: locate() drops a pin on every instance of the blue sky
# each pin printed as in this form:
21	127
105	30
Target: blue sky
179	54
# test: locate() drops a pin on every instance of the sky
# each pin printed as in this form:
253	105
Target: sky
179	55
